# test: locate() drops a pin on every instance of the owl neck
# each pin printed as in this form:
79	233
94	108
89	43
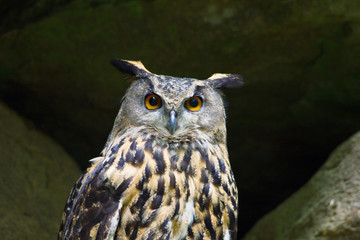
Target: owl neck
192	138
185	155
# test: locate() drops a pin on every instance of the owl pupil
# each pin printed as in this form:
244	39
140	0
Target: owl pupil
194	102
153	101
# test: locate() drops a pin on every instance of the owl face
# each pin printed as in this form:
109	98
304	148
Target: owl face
171	106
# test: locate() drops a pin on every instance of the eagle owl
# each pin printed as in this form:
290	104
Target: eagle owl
164	172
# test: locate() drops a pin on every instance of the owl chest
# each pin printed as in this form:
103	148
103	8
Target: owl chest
168	190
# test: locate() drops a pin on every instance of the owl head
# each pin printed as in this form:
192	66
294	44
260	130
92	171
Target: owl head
173	108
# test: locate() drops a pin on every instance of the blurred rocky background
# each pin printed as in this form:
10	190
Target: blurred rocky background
35	177
300	61
325	208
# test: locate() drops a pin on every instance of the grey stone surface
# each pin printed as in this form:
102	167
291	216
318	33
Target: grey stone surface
326	208
36	176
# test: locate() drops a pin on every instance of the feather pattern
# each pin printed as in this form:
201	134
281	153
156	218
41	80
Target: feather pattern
162	193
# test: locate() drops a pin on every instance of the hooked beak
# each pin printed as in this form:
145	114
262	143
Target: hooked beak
172	121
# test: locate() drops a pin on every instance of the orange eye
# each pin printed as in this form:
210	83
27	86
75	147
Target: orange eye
193	104
152	101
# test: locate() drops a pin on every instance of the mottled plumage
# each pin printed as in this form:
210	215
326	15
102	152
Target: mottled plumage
164	172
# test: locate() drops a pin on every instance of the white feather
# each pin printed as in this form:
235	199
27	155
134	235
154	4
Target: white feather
94	160
227	235
114	222
186	218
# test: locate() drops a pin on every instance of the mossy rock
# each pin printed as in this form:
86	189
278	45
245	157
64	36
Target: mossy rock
36	177
326	208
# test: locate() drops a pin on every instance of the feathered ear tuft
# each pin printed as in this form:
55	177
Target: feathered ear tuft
134	68
219	80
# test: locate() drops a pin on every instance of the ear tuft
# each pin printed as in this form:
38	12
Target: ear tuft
220	80
134	68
